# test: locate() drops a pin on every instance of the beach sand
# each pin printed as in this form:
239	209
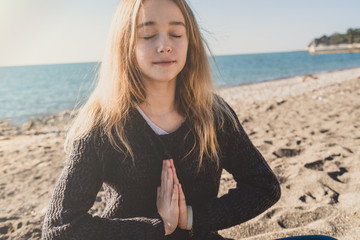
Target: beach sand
307	128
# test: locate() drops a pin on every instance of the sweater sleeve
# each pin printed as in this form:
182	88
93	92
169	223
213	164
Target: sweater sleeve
256	190
75	192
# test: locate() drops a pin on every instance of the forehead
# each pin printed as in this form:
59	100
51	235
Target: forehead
159	12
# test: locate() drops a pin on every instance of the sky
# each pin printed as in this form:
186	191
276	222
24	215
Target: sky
66	31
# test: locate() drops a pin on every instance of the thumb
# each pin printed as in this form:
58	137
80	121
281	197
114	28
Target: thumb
182	200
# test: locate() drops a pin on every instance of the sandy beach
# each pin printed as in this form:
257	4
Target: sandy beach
306	127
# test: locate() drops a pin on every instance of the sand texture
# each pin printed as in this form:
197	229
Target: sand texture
307	128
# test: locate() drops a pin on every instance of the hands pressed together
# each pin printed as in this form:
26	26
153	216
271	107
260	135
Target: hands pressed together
170	202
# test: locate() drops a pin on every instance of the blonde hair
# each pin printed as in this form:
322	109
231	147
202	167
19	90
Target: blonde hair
119	87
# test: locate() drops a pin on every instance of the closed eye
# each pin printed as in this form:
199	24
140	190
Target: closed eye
150	37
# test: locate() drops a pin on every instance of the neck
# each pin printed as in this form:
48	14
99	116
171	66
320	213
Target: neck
160	98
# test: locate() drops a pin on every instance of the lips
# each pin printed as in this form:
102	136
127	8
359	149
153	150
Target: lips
164	62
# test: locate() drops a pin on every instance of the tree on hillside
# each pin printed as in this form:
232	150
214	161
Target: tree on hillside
352	35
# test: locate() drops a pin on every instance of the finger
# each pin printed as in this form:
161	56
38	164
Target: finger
182	200
175	195
166	177
176	180
172	163
181	193
163	174
170	183
183	211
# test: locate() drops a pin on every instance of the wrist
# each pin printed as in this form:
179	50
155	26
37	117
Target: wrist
168	231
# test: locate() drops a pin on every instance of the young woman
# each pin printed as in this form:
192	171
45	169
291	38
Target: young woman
157	138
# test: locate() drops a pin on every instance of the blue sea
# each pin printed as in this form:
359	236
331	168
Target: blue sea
31	91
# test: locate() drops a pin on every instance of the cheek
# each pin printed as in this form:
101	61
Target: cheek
140	54
183	48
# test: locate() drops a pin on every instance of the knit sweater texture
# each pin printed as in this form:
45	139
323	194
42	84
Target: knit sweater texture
130	189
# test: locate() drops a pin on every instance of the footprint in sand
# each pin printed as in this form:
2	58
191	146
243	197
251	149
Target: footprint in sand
286	152
319	166
335	175
299	218
7	228
271	213
324	195
332	156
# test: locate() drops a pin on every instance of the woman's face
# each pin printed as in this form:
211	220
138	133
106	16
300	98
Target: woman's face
162	43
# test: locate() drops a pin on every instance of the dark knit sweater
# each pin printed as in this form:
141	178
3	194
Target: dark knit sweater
130	191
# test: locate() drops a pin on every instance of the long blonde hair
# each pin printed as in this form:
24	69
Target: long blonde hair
119	87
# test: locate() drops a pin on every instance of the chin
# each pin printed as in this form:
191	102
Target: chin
164	78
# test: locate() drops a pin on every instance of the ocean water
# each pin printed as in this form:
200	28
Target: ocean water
30	91
251	68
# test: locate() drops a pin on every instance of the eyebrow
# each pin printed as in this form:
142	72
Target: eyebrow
151	23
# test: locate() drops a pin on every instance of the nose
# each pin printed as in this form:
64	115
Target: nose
164	46
166	49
